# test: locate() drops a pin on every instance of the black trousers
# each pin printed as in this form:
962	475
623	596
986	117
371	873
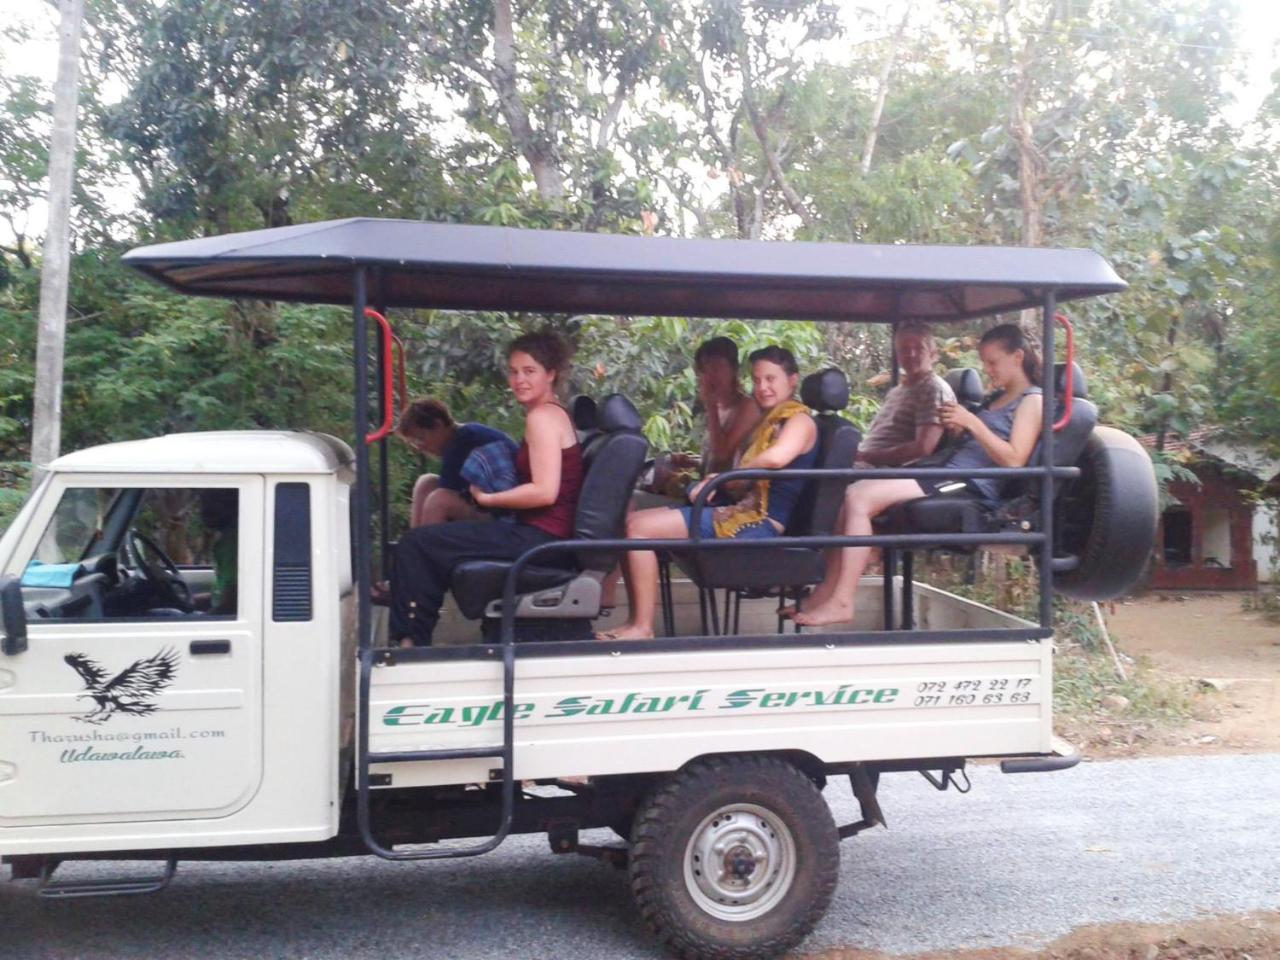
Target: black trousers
426	556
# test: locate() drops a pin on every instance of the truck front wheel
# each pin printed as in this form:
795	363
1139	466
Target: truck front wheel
734	858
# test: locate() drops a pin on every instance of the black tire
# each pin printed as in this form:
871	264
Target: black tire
1108	518
779	869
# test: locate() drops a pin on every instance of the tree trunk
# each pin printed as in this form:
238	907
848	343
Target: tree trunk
535	150
1030	162
1166	386
761	130
882	91
55	267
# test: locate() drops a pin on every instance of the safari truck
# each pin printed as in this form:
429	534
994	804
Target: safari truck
191	669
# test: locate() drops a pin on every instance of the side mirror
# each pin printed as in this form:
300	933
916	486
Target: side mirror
13	617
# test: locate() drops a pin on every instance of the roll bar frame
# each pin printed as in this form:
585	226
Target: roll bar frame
362	547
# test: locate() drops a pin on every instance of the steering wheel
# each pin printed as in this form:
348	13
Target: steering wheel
144	557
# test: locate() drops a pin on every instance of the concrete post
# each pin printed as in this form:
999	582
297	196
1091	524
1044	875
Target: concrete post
56	257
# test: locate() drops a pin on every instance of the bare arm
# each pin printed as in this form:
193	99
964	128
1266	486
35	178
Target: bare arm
1014	452
923	444
798	435
544	430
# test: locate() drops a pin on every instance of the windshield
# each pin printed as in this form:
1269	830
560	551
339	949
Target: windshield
76	526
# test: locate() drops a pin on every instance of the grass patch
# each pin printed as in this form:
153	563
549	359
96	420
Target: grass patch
1085	685
1094	708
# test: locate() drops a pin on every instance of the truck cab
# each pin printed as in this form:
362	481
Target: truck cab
189	614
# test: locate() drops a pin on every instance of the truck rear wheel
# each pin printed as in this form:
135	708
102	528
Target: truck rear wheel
734	858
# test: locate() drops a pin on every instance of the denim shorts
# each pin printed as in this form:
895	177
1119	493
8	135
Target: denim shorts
762	530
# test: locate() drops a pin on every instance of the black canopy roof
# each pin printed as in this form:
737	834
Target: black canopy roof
453	266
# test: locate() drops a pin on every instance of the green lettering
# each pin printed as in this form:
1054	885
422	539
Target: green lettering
474	716
400	717
600	706
886	695
569	707
773	699
741	698
440	715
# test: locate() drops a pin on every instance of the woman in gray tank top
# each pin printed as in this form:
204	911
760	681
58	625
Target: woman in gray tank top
1002	435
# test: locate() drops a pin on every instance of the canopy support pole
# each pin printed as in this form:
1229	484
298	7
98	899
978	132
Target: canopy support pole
384	509
1046	458
360	535
889	555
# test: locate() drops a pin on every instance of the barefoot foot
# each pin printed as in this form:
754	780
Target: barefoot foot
628	631
830	612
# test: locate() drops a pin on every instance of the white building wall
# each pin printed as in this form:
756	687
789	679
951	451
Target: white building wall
1266	549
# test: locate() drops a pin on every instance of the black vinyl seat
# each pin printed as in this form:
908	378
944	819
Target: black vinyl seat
585	415
569	590
963	511
782	569
966	384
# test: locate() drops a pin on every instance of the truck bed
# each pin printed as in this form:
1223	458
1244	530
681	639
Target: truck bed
611	708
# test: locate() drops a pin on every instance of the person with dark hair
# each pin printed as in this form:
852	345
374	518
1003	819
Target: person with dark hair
428	427
730	412
220	514
1003	434
786	437
549	473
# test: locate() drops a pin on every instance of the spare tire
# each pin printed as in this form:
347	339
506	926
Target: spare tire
1107	518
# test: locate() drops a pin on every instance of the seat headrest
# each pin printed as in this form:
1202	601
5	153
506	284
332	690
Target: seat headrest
582	409
616	412
966	385
825	391
1079	385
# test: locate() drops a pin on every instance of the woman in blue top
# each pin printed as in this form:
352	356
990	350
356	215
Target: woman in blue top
1001	435
785	437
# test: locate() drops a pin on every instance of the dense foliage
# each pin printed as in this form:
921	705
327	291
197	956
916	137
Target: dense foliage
1104	124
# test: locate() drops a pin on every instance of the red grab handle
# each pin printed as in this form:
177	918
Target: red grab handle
388	399
1071	357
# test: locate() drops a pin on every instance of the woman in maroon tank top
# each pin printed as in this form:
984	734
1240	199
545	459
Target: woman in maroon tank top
544	501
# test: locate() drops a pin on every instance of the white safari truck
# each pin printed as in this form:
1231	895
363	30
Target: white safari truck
191	668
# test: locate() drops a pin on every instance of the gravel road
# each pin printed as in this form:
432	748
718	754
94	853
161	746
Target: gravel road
1019	861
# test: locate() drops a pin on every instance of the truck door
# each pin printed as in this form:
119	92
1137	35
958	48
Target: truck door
140	694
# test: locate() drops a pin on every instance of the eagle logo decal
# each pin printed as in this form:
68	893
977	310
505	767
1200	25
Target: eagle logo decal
133	690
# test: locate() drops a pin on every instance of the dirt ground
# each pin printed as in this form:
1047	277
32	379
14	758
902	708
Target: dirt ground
1252	937
1231	654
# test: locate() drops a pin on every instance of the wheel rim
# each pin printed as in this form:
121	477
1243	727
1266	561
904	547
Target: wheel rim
740	861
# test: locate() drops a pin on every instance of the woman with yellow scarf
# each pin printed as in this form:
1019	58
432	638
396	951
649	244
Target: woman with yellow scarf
785	437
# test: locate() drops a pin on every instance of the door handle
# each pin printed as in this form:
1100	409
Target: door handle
205	648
